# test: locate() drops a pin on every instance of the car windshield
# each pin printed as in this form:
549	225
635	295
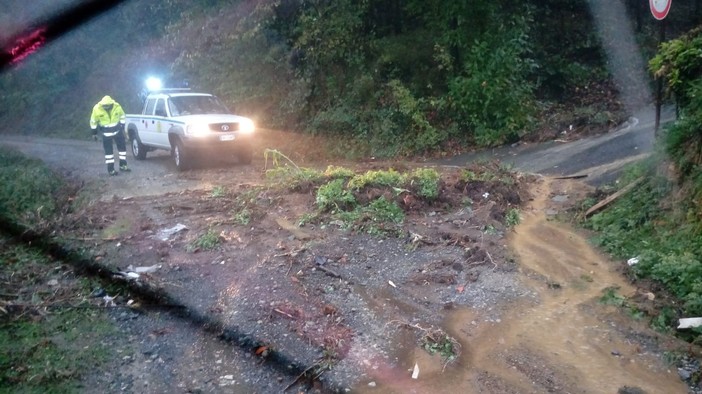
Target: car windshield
196	105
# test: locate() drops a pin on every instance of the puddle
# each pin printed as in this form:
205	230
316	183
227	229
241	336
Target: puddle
566	342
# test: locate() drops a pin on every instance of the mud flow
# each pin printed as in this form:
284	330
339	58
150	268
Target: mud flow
562	340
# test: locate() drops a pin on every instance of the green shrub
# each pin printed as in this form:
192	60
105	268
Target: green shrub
426	182
389	178
333	195
382	210
28	189
512	217
335	172
492	99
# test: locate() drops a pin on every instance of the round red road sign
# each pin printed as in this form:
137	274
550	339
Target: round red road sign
659	8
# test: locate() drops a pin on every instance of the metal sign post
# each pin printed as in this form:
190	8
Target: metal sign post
659	9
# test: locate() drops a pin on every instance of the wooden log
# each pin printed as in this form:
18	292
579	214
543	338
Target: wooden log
613	197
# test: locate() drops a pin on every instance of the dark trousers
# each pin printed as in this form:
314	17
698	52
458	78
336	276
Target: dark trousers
109	154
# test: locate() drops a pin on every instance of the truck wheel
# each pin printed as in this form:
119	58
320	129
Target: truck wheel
180	157
138	149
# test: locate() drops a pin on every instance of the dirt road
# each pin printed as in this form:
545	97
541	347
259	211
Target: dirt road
522	303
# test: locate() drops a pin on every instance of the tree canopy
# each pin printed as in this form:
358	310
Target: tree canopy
406	76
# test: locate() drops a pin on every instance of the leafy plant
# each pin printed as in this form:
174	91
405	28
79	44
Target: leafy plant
389	178
307	218
612	297
663	322
218	191
382	210
438	342
207	241
426	182
512	218
335	172
333	195
243	216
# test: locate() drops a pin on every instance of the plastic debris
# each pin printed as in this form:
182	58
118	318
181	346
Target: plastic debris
415	372
127	275
632	261
486	195
689	322
167	233
141	270
109	301
391	283
52	282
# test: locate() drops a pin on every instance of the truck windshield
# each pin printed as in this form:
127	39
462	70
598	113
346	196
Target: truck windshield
196	105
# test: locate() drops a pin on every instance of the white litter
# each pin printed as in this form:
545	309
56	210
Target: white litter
109	301
415	372
142	270
167	233
632	261
690	322
391	284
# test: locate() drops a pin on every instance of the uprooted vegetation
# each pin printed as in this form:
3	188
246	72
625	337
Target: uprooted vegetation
376	200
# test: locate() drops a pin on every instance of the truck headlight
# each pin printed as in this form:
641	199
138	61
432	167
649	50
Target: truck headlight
197	129
247	126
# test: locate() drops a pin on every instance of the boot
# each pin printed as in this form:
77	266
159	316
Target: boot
111	169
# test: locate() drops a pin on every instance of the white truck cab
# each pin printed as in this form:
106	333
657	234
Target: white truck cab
189	124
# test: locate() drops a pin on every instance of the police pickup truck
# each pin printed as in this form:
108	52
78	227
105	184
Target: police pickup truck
189	125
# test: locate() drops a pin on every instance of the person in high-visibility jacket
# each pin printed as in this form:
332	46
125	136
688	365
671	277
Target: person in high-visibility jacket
109	119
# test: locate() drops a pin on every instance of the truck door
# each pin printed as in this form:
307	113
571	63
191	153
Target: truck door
147	124
162	123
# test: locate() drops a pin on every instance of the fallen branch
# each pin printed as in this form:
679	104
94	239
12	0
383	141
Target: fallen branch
292	253
491	260
577	176
613	197
301	375
284	313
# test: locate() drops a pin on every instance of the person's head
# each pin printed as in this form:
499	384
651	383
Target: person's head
107	103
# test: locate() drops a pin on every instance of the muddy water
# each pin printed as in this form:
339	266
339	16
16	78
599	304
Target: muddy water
565	341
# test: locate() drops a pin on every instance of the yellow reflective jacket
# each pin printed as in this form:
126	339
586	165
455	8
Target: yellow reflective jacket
102	118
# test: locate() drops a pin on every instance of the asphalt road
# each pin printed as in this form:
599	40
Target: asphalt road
600	158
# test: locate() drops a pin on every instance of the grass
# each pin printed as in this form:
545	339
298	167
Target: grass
207	241
650	224
120	227
218	192
654	224
29	191
49	337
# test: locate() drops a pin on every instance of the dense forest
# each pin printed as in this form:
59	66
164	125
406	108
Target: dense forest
404	76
